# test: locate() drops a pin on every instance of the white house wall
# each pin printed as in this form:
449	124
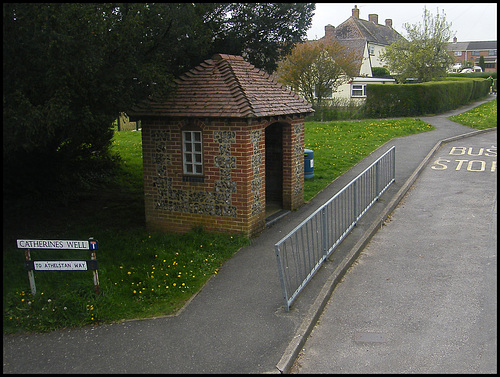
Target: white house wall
366	69
376	60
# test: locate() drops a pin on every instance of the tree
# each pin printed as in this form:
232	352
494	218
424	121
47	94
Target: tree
481	62
313	69
69	69
263	33
423	54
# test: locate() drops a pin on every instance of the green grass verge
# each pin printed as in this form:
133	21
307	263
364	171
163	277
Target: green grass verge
338	146
480	117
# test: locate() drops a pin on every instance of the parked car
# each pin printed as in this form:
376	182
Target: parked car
470	70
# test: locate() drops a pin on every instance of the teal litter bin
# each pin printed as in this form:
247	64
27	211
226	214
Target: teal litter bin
308	163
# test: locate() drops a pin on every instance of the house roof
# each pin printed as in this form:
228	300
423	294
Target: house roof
356	28
470	46
225	86
482	45
357	47
354	33
458	46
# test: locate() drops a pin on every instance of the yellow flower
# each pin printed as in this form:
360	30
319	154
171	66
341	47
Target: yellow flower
128	273
135	291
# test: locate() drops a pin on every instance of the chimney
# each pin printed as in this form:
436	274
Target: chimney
329	30
355	12
454	39
388	23
373	18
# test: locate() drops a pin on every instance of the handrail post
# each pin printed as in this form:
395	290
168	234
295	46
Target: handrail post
324	231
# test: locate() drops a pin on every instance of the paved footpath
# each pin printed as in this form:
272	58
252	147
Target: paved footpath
422	296
236	323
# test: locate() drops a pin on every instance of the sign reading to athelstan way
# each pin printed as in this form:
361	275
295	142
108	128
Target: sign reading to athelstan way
60	266
53	244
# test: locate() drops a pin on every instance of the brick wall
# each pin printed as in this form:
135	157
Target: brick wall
231	195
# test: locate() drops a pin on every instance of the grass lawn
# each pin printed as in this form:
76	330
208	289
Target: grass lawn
144	274
338	146
481	117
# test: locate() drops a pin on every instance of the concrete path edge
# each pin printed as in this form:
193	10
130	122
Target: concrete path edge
293	349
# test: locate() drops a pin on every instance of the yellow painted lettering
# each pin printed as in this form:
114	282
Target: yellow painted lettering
482	165
491	151
469	152
441	165
460	162
461	150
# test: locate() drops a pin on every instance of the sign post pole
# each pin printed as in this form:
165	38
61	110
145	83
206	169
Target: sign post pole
93	248
31	275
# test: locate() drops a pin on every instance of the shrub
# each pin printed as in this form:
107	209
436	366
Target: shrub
420	99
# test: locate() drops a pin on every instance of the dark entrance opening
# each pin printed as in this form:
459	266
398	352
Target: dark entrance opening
274	169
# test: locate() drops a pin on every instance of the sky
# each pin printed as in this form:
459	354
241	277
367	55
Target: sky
469	21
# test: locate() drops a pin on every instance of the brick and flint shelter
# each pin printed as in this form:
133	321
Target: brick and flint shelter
226	143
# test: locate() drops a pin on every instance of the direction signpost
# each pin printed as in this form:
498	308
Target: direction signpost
67	265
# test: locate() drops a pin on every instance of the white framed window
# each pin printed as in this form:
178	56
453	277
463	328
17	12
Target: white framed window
458	53
192	154
371	50
358	90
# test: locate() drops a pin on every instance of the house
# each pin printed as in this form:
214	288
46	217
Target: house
368	39
223	151
471	52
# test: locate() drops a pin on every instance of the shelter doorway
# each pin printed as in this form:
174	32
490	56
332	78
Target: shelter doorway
274	168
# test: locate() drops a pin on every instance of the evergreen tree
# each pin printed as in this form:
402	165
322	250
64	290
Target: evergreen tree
69	69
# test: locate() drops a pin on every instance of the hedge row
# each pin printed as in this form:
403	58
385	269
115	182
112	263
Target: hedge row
403	100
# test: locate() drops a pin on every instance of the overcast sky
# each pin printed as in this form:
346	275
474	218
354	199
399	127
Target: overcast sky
469	21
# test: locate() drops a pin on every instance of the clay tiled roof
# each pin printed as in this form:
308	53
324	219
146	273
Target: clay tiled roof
225	86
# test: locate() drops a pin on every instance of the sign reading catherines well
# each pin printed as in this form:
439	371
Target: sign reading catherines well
66	265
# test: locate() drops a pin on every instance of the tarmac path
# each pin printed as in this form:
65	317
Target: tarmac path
422	295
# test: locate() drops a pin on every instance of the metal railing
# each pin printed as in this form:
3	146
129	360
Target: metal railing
303	250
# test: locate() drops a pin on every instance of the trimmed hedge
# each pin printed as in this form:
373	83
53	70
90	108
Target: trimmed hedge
403	100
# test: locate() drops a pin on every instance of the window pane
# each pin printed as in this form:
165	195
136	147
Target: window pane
192	156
